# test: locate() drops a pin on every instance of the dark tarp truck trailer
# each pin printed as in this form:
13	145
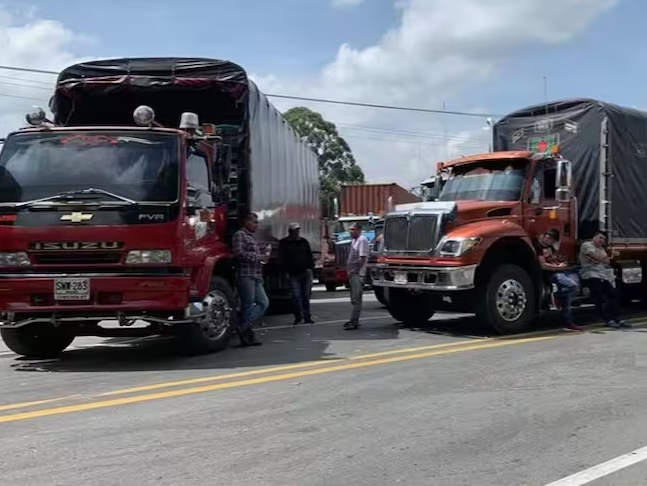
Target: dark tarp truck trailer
607	145
275	174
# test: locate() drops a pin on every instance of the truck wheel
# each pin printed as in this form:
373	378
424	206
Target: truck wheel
379	295
331	287
213	332
409	309
37	341
507	303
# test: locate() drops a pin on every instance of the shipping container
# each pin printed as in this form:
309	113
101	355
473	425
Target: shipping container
363	199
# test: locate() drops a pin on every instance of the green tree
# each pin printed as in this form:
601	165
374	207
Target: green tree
337	164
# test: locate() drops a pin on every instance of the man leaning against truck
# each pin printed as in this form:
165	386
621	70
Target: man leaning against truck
249	264
597	274
567	282
356	268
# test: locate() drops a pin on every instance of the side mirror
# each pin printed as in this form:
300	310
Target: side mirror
221	171
564	174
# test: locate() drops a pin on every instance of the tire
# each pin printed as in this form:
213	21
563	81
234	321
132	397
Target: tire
507	303
212	333
409	309
37	341
379	295
331	287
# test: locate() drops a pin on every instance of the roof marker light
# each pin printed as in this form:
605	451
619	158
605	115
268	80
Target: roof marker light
144	116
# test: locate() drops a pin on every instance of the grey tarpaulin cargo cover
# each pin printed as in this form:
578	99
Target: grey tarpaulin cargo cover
608	147
278	174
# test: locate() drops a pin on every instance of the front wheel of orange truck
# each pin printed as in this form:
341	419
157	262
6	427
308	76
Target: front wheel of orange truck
507	300
37	341
212	332
409	308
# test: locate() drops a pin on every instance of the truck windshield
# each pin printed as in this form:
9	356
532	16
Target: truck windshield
491	182
134	165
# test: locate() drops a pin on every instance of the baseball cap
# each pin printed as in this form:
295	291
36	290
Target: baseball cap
294	226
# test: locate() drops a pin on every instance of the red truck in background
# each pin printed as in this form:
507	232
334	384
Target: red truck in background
364	204
577	166
122	208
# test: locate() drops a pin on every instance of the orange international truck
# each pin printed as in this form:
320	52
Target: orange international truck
578	166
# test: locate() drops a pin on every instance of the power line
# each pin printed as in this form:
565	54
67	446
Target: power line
319	100
388	107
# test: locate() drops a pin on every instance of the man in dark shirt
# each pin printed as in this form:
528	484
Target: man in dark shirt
295	258
249	262
567	282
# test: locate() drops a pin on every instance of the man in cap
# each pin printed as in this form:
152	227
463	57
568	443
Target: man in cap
295	258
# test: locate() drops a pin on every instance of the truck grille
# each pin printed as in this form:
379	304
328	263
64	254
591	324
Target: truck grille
416	233
341	254
77	258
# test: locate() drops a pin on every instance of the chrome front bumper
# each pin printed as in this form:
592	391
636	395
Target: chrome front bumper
423	278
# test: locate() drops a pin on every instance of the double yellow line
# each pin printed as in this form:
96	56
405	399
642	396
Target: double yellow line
193	386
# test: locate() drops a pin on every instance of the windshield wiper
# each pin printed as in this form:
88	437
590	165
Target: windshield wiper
91	190
71	195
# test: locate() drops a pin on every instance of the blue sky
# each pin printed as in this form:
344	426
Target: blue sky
293	40
298	37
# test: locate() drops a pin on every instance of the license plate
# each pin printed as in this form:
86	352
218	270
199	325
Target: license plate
72	289
400	277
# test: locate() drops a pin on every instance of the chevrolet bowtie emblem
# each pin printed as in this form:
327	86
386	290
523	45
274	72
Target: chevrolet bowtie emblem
77	217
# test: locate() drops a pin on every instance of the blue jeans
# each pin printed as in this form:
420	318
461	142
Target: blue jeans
567	286
301	286
253	301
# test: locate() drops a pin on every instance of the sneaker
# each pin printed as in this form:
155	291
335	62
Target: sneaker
625	324
350	326
297	320
614	325
574	327
308	320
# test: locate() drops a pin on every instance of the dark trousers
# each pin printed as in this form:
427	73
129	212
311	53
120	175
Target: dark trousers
301	285
605	298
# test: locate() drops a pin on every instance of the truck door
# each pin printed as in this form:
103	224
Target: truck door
543	211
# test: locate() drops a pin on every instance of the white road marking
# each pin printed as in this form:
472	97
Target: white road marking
602	470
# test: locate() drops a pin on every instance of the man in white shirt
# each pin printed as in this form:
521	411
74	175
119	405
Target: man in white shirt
597	274
356	268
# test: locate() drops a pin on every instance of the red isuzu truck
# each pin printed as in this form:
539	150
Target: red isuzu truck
123	206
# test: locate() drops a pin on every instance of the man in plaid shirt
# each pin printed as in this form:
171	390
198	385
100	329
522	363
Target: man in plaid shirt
249	262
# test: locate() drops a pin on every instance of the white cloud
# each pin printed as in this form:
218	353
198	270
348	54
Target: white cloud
346	3
439	49
31	42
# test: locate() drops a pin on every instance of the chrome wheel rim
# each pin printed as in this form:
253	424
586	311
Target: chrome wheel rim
511	300
218	316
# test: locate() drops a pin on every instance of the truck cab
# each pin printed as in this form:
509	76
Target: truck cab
472	250
113	223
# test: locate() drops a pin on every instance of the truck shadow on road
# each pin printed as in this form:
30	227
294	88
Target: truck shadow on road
282	346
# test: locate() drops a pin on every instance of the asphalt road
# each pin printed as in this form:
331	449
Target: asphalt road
319	406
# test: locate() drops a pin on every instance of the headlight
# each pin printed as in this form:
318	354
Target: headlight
14	259
455	247
148	256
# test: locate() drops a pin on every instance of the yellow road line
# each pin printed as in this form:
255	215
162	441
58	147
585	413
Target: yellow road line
469	344
274	369
13	406
256	381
